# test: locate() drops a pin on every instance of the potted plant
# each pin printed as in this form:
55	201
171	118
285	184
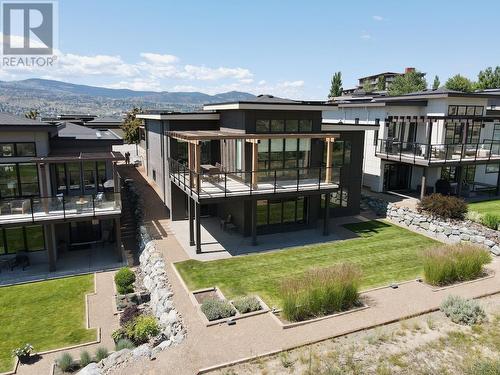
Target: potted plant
23	353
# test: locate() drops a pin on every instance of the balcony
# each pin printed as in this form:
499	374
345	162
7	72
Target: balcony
39	210
426	154
219	183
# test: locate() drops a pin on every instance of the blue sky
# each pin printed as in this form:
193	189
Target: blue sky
287	48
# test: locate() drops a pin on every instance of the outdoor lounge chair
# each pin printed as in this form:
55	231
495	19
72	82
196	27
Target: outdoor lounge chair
20	260
20	206
227	223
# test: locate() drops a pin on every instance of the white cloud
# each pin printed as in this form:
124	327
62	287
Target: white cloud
378	18
137	84
158	59
365	35
204	73
293	84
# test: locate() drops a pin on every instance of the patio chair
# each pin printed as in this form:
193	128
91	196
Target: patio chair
20	260
227	223
20	206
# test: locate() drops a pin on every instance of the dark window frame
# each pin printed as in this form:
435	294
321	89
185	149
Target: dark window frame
19	183
298	219
15	153
302	126
3	238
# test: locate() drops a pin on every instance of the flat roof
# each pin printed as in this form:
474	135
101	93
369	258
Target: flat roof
207	135
180	116
81	156
74	131
7	119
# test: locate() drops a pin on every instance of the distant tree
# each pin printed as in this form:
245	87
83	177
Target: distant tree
367	87
381	83
32	115
336	85
436	83
131	125
409	82
459	83
488	79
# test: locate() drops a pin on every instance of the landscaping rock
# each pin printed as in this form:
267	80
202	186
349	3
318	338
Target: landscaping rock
91	369
446	231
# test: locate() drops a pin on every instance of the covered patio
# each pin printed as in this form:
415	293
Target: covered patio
92	259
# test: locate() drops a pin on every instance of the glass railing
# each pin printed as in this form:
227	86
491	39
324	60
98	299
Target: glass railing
404	151
219	182
60	207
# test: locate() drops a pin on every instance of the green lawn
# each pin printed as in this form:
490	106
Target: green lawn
492	207
384	252
48	315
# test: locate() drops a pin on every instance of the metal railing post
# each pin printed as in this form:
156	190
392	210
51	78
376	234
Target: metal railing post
275	181
64	206
251	182
298	178
93	205
225	184
319	178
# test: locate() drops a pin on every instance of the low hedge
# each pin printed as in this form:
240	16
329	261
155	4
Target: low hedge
124	279
247	304
214	309
320	292
453	263
463	311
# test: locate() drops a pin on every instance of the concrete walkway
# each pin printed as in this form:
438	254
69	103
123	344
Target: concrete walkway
100	316
210	346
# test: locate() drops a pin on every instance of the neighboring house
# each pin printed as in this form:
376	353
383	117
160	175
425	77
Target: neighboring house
425	137
260	166
370	83
56	189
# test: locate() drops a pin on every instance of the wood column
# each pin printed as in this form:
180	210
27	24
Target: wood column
329	159
191	214
44	186
190	163
116	180
255	163
429	140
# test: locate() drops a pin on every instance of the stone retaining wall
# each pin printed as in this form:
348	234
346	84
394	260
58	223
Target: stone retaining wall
446	231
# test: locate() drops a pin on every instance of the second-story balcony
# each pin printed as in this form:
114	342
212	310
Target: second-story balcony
425	154
39	210
217	182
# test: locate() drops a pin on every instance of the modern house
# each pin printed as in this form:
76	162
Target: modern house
430	141
260	166
58	190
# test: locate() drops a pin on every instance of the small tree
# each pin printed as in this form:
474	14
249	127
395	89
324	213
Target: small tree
488	79
459	83
381	83
409	82
32	115
131	127
336	85
436	83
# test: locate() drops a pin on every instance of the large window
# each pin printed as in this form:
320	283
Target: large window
18	180
20	149
284	155
68	177
453	133
17	239
451	173
465	110
284	211
282	126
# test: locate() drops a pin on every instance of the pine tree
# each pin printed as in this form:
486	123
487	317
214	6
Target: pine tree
336	85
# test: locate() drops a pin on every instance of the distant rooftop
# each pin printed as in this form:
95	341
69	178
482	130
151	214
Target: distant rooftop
70	130
7	119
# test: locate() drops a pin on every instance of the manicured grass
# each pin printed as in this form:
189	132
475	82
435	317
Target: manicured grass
491	207
48	315
384	252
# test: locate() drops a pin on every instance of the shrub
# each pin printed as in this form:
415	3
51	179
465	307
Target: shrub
247	304
129	314
120	333
320	292
214	309
85	358
443	206
474	216
144	327
101	353
462	311
65	362
23	351
491	221
484	367
124	279
451	263
124	344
